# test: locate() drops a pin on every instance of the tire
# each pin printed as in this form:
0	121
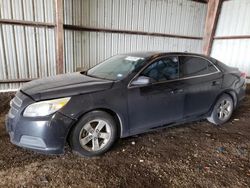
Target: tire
222	110
94	134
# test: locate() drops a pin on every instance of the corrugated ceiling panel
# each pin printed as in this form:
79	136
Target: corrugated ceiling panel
234	18
167	16
29	10
86	49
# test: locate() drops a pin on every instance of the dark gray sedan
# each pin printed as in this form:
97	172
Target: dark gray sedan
125	95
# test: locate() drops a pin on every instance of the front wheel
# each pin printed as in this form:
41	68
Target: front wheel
94	134
222	111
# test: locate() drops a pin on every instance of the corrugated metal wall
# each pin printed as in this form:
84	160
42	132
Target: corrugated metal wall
233	21
85	49
163	16
26	51
30	52
29	10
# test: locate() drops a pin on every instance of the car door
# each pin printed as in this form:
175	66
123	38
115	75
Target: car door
157	103
202	83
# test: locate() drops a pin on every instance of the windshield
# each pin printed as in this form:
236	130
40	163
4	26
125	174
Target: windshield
116	67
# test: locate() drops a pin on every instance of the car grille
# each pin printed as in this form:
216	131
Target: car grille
15	105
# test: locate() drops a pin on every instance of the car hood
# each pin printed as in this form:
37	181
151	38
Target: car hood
64	85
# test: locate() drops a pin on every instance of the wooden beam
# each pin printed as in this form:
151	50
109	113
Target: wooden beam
106	30
201	1
232	37
213	12
16	80
26	23
59	36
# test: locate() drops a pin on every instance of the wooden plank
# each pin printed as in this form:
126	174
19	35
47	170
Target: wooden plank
232	37
213	12
201	1
26	23
106	30
59	36
16	80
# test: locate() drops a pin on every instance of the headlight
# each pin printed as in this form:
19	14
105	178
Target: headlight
45	108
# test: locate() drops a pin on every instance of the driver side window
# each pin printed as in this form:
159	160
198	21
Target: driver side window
163	69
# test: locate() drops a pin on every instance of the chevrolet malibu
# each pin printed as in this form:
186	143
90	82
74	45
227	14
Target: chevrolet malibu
125	95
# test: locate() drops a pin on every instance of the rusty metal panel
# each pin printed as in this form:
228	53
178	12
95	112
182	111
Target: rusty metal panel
86	49
166	16
28	10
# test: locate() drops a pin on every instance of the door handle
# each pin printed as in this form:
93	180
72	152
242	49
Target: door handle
175	91
215	83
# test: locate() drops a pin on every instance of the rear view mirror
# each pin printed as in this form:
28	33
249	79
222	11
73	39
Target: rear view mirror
141	80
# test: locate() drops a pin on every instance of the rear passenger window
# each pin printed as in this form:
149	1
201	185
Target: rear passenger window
194	66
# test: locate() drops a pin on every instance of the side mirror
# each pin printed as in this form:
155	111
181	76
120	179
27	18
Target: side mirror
141	81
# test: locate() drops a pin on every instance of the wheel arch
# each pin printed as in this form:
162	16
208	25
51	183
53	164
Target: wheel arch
233	95
229	92
115	115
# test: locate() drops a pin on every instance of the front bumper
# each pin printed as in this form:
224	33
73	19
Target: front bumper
45	135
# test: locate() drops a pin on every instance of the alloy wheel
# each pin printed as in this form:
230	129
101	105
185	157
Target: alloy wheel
224	109
95	135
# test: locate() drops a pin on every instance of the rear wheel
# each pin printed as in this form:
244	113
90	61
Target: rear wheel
222	111
94	134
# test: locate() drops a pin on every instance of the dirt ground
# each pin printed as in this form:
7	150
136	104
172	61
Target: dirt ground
191	155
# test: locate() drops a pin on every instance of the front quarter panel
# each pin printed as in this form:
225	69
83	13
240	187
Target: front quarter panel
114	99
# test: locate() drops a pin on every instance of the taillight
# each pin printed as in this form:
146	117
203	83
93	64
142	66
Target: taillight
243	74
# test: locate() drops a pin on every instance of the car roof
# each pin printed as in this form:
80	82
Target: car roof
153	54
141	54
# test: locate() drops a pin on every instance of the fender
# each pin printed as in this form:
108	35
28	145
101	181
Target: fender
231	93
121	122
